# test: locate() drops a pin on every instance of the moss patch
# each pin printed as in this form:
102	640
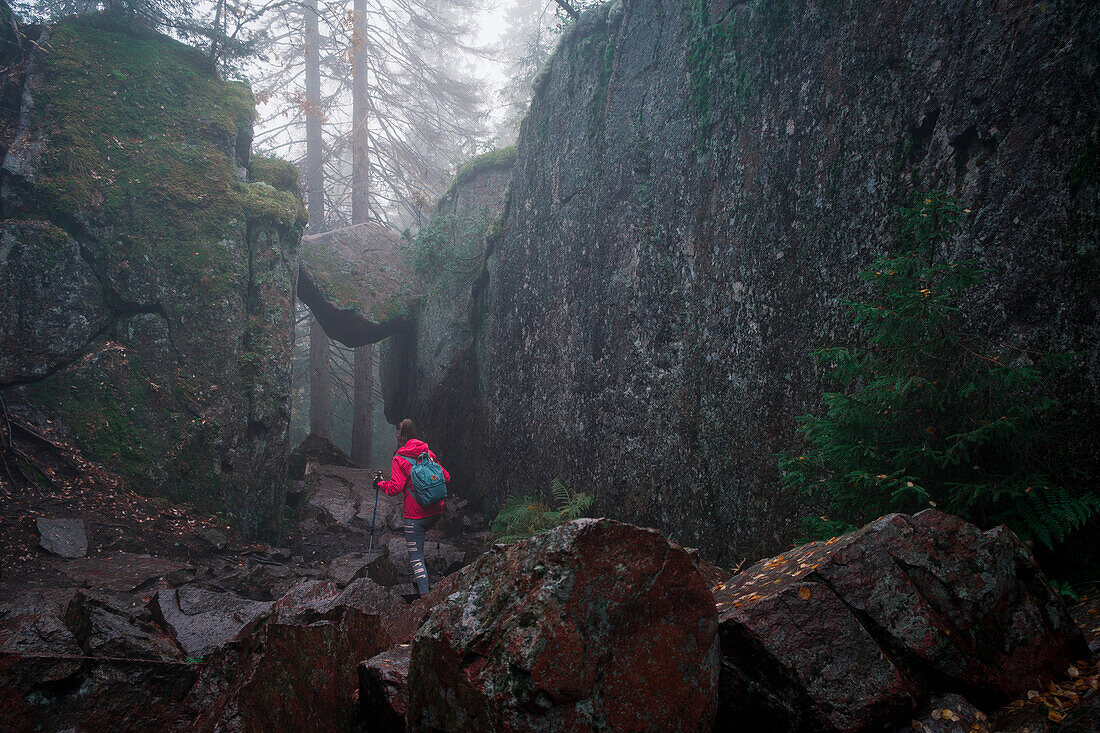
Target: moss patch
502	158
277	173
106	401
334	275
142	141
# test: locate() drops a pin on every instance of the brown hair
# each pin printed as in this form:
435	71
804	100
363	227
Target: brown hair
406	431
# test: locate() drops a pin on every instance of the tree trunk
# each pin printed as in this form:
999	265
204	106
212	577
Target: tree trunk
360	106
320	381
216	35
315	174
362	423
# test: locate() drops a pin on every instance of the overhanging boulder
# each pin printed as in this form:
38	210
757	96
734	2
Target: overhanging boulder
358	282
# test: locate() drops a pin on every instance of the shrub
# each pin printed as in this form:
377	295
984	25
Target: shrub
931	415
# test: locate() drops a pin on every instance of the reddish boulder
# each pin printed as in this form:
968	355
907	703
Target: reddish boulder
58	692
852	633
293	670
384	690
593	625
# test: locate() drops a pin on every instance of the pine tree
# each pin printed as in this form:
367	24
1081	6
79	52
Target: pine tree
928	414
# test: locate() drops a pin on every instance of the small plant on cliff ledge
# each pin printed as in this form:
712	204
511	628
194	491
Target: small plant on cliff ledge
928	414
525	516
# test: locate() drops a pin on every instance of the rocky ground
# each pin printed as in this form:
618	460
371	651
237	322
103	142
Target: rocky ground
108	598
122	585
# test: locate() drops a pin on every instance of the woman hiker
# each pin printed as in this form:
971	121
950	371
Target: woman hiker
418	519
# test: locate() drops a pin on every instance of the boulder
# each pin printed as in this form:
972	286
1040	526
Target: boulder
214	539
294	670
104	630
318	449
33	625
60	693
593	625
372	598
202	620
386	570
442	558
384	690
119	571
342	495
346	568
851	634
146	293
333	497
264	581
356	281
64	537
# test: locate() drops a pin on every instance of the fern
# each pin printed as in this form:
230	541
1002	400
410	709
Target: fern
525	516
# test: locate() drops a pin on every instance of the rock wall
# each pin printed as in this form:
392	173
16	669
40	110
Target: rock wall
429	372
696	186
147	286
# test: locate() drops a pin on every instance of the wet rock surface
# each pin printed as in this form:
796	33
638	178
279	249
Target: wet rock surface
853	633
696	186
296	670
64	537
596	624
384	690
202	620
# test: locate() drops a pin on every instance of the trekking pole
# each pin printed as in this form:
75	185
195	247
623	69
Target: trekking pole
370	546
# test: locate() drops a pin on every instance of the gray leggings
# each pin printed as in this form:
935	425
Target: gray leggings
414	541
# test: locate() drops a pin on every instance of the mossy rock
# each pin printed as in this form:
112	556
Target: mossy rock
136	151
277	173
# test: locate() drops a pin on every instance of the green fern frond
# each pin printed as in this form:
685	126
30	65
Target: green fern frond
524	516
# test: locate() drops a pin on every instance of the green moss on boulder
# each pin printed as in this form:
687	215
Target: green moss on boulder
278	173
134	150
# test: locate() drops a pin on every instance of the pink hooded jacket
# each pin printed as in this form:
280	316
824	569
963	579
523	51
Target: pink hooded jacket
399	479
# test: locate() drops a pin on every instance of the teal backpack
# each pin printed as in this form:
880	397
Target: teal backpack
426	476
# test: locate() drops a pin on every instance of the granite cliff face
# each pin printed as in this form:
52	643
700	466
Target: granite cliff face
695	188
430	371
148	268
